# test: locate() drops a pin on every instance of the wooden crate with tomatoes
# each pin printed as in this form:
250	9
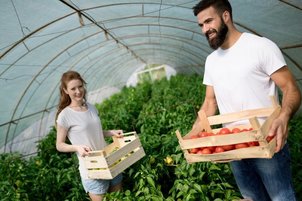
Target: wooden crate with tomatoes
249	140
115	157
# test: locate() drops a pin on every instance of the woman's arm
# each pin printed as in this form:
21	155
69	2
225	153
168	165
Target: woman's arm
62	146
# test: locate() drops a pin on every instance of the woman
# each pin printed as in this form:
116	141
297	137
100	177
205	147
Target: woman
79	121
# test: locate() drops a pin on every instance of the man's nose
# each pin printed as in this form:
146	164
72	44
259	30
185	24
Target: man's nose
205	28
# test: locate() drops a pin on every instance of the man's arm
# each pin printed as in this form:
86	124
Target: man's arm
291	102
209	104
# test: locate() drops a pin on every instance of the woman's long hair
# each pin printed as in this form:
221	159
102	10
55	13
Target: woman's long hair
64	98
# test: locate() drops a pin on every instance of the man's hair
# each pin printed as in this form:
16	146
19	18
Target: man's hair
219	5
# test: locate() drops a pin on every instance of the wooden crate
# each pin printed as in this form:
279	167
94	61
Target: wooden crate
259	133
114	158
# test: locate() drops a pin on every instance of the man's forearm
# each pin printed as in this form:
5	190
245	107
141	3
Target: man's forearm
291	102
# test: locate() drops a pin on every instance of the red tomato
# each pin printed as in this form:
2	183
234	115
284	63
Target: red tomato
236	130
269	138
219	150
206	151
212	149
253	144
199	151
194	150
228	147
203	134
244	130
241	145
211	134
224	131
194	136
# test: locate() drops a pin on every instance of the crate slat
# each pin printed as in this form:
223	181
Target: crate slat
127	148
115	157
257	152
96	162
128	161
218	140
226	118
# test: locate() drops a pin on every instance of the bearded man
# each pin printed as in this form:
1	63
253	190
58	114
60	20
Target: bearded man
243	72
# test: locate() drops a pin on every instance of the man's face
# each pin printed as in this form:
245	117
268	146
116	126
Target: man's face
213	26
217	37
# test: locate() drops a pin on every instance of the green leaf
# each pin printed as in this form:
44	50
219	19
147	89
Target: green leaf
150	181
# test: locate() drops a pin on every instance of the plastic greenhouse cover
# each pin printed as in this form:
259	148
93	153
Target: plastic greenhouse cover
107	42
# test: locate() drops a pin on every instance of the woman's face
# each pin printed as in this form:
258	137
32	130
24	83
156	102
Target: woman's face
75	90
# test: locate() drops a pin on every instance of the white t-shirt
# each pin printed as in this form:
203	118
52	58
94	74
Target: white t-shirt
240	75
84	128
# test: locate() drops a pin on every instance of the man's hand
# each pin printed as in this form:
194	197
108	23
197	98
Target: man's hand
279	128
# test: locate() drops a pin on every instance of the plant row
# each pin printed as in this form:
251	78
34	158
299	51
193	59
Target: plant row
155	111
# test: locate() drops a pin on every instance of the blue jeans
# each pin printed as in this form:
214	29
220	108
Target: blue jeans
265	179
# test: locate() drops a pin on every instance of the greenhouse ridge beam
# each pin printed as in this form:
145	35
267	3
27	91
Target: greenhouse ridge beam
104	29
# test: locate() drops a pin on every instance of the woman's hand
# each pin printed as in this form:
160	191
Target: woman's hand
83	150
116	133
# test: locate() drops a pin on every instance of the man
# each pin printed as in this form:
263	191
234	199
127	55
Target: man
242	73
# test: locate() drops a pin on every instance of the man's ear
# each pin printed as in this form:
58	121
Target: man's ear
226	16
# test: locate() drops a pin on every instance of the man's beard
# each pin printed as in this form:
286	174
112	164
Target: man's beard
218	40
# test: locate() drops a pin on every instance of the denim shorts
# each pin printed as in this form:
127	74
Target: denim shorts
265	179
100	186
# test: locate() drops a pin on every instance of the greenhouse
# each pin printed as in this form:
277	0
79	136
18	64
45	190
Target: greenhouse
143	63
